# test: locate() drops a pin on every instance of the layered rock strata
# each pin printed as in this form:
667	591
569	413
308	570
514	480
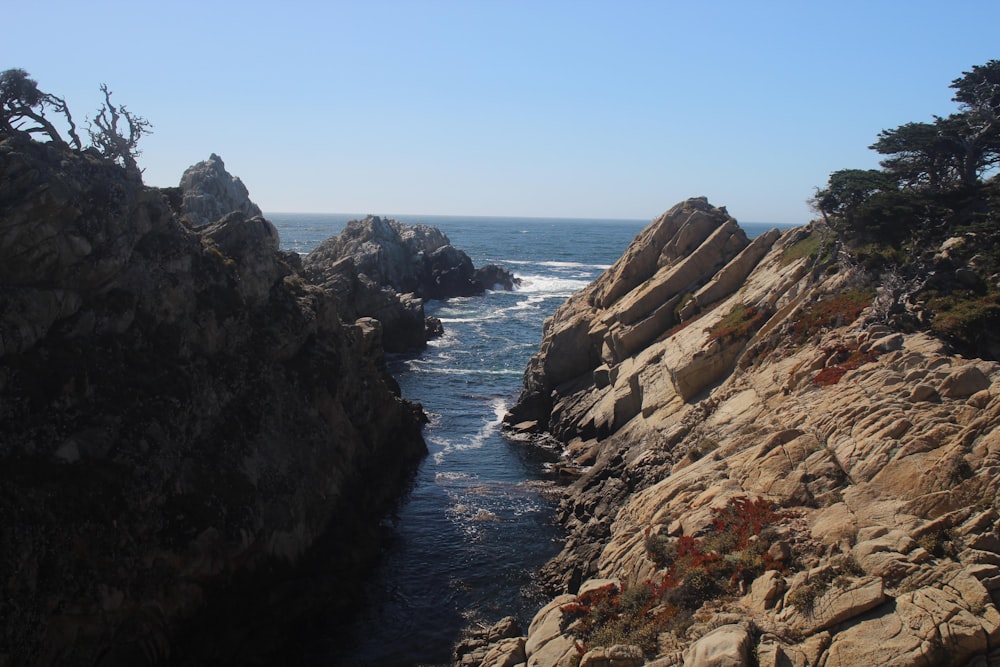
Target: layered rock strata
194	447
385	269
705	371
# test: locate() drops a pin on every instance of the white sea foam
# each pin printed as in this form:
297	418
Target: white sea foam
452	476
551	285
479	439
472	371
554	264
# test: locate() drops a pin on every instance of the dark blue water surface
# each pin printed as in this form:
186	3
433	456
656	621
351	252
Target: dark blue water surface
463	545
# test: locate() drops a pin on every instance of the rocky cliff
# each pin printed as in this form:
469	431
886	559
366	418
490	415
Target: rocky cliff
385	269
194	447
769	475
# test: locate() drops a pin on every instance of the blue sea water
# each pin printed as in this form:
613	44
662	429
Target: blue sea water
463	545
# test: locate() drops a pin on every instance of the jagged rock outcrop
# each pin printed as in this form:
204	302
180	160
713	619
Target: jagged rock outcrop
194	448
209	192
385	269
705	372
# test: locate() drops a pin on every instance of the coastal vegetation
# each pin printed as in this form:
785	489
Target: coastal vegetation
930	215
114	131
693	570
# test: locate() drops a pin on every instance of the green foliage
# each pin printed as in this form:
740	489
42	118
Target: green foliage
832	311
941	544
608	616
695	571
931	181
810	246
849	190
741	322
659	548
964	316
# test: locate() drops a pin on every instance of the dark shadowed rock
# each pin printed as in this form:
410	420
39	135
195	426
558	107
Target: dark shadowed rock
194	447
493	277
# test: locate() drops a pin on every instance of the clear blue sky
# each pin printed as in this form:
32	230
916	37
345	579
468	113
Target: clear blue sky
536	108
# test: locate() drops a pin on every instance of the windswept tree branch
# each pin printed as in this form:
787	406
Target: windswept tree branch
109	139
21	101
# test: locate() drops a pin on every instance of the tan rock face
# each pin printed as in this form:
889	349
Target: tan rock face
716	379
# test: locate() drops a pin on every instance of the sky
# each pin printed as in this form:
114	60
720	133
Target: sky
509	108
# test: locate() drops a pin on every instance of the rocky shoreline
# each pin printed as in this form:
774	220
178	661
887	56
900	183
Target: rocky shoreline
771	475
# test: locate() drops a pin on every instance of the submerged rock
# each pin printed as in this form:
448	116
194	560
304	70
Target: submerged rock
194	448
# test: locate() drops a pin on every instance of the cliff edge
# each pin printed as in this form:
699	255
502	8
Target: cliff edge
194	447
768	474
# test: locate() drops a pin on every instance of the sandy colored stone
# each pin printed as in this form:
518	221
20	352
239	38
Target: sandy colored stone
619	655
726	646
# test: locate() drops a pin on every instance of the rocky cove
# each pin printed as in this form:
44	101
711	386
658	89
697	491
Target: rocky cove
198	430
769	469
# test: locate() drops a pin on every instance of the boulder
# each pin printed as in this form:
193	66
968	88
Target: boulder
619	655
964	382
547	643
927	626
836	604
726	646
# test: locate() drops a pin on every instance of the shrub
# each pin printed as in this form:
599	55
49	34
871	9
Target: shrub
833	311
963	315
849	360
634	615
839	574
696	570
807	247
741	322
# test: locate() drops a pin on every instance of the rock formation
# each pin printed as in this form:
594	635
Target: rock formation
766	469
385	269
194	447
209	192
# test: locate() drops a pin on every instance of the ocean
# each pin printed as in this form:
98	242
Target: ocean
462	547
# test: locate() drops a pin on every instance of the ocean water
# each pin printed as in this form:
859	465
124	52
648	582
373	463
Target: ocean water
463	545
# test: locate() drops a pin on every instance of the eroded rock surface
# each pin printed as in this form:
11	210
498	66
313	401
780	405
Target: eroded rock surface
707	371
208	192
194	447
385	269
